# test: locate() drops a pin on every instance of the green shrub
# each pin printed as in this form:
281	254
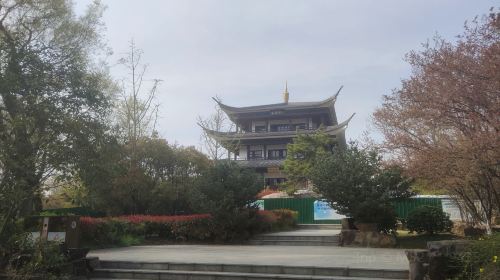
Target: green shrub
130	240
235	226
429	219
480	260
45	260
382	215
227	192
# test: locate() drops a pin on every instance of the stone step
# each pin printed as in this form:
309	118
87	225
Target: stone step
106	266
320	226
332	238
284	242
211	275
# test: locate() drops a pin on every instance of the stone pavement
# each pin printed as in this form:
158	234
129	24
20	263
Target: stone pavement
318	256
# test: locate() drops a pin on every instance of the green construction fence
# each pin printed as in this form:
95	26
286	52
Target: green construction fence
305	207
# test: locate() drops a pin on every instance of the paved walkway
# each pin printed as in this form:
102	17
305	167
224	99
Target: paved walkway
320	256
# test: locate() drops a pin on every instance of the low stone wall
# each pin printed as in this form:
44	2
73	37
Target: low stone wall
433	262
366	239
369	237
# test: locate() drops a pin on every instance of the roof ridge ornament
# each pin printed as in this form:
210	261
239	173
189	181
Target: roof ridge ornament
286	95
338	91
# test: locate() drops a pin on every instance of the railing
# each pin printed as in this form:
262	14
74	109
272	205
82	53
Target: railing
291	129
243	134
261	158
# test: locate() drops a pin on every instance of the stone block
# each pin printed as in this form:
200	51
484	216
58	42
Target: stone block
268	269
330	271
237	268
297	270
366	239
417	260
155	266
146	275
181	266
93	262
347	237
348	224
202	277
172	276
446	247
230	277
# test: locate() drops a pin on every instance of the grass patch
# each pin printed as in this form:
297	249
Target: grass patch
407	240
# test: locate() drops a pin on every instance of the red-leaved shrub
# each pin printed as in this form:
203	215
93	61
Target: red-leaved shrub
112	231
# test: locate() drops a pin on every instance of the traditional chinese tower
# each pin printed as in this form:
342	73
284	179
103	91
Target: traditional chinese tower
263	132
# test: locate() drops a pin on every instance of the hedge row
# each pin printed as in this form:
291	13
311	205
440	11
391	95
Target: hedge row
131	230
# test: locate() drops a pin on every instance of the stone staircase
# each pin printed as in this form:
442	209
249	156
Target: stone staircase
306	235
320	226
295	240
204	271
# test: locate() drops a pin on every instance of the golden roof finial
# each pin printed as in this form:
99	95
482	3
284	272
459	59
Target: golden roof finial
286	95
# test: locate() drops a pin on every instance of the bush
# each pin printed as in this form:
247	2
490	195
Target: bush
382	215
225	188
265	220
237	225
43	260
234	226
227	192
130	230
287	219
480	259
429	219
276	220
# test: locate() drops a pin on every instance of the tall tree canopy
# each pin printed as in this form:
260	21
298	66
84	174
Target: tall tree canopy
54	96
444	121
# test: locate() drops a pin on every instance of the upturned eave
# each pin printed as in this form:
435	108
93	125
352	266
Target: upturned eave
234	137
233	112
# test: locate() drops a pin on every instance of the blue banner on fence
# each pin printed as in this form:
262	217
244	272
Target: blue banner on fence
323	211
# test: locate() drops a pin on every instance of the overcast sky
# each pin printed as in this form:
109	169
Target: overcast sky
244	51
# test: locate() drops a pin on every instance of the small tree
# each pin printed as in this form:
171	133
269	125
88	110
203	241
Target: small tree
357	184
301	156
218	121
137	112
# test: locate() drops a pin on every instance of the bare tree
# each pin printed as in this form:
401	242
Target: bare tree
137	111
218	121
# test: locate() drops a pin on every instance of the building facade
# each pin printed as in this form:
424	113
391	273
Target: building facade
263	132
